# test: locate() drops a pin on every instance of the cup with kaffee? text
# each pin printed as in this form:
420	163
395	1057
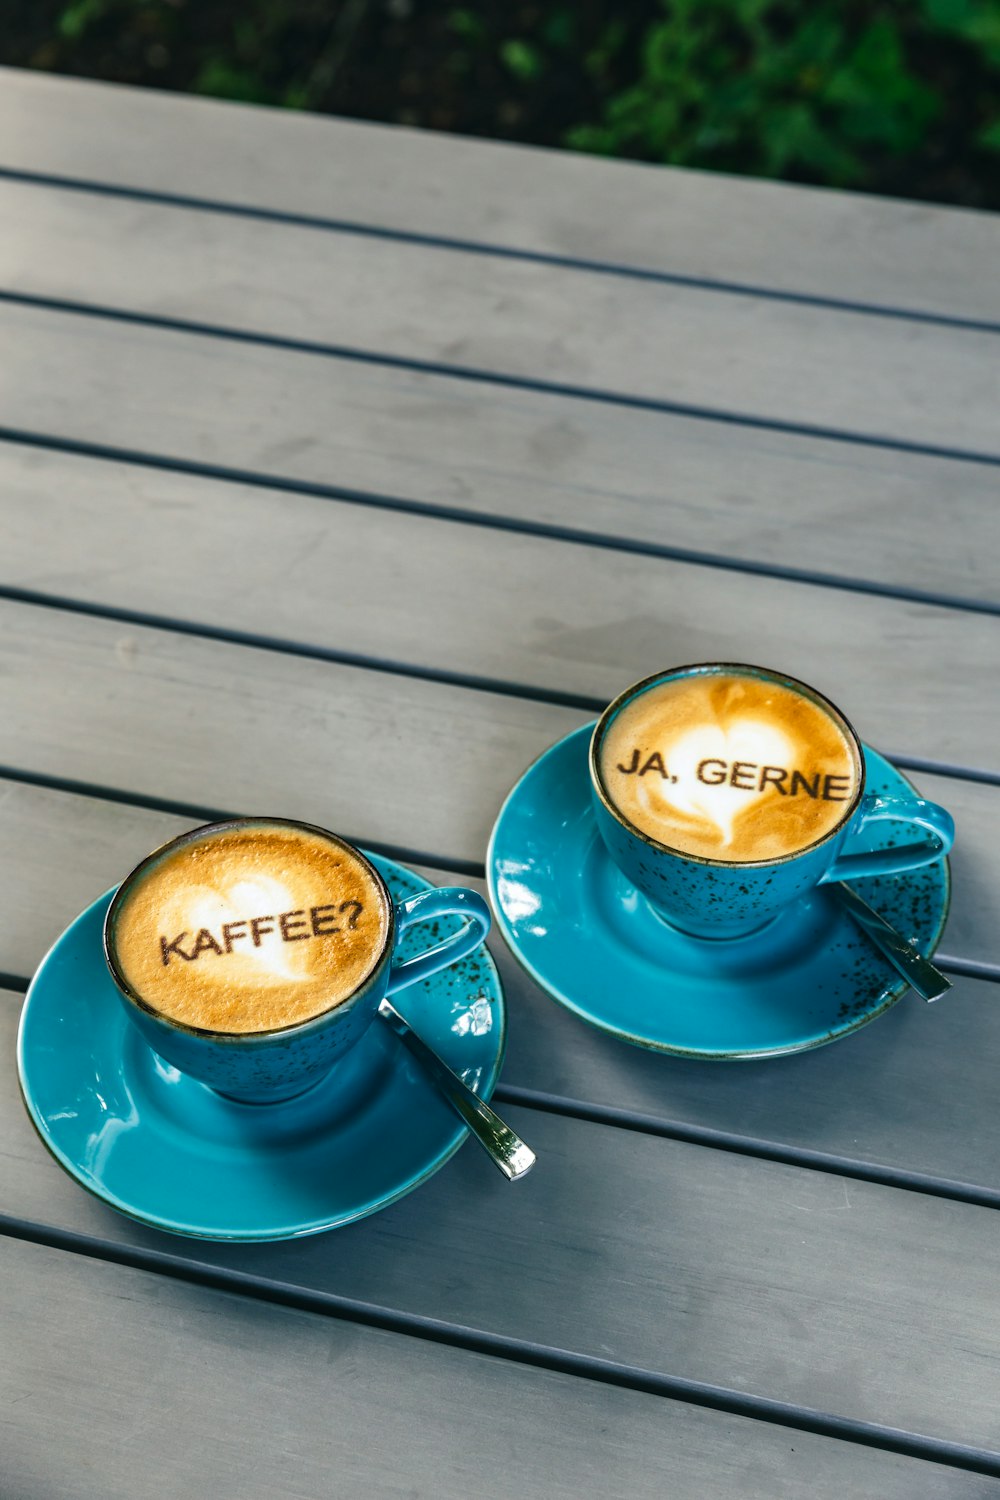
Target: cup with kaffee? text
724	792
252	954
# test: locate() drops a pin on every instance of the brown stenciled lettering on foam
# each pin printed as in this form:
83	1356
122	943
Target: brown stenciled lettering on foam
175	947
653	761
293	927
829	788
203	941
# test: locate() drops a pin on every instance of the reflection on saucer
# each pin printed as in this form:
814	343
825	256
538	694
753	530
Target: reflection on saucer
165	1150
592	941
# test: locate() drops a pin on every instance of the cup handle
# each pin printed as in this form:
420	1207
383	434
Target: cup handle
875	809
440	901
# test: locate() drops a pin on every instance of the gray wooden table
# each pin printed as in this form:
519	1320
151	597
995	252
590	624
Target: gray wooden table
326	446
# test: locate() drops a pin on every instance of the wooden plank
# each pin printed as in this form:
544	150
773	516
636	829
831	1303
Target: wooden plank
684	223
226	729
913	1094
192	1391
652	479
867	1302
770	360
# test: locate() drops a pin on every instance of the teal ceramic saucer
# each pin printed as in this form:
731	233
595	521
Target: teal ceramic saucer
167	1151
591	940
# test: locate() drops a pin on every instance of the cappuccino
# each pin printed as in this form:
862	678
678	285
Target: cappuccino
728	766
249	928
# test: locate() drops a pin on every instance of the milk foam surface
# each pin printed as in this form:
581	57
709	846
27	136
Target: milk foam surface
250	929
728	767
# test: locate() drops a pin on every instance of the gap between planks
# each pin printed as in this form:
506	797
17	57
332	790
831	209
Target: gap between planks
606	541
485	248
402	852
413	365
500	1346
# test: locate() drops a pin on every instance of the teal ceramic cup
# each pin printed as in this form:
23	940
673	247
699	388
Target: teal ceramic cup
714	897
271	1065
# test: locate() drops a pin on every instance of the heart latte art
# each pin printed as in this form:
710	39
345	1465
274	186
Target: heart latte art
728	767
250	928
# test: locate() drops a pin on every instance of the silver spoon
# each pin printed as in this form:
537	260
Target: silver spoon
505	1149
919	972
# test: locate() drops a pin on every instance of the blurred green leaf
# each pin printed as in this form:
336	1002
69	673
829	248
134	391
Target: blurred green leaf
560	29
521	59
606	50
76	18
224	81
976	22
950	14
465	23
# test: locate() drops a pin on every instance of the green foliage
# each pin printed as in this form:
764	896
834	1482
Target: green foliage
521	58
976	22
832	92
894	96
466	24
220	78
76	18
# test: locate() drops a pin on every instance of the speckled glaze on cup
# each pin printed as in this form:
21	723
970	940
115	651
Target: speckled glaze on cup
261	1067
716	898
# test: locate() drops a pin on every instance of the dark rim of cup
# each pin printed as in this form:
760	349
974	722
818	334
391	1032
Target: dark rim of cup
205	830
718	669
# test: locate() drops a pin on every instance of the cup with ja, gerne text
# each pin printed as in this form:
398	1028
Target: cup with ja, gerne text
724	792
252	954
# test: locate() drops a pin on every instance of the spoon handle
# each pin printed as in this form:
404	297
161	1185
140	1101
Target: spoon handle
919	972
505	1149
